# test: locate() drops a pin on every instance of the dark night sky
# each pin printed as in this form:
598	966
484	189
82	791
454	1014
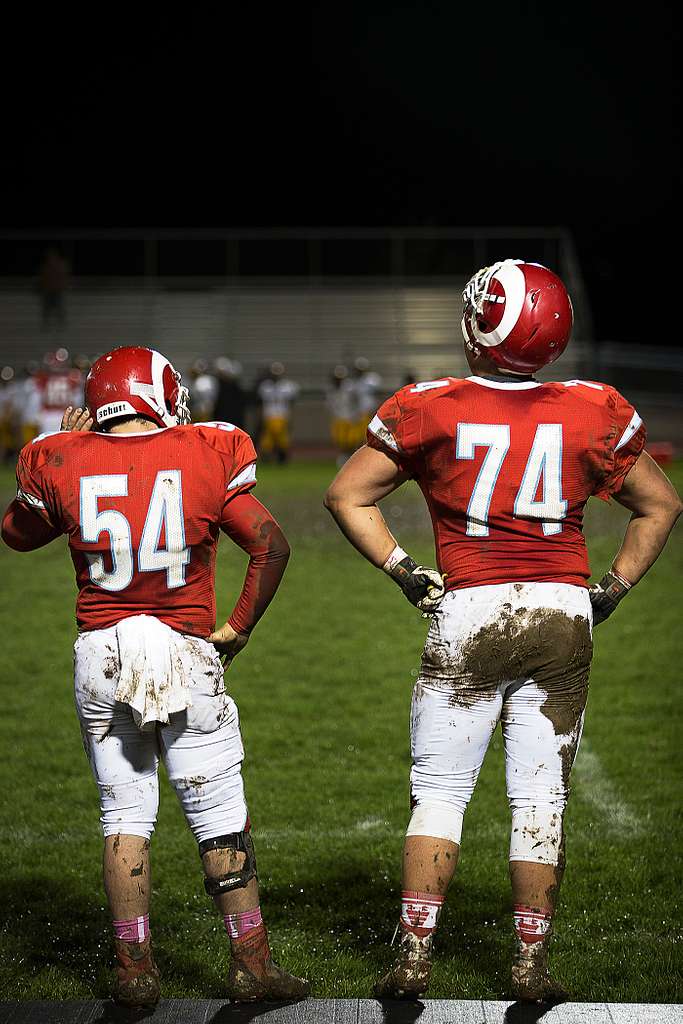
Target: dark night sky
375	114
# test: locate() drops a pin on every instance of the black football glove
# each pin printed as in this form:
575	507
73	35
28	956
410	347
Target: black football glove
606	595
422	586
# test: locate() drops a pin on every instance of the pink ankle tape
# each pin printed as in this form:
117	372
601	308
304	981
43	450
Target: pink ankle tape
135	930
237	925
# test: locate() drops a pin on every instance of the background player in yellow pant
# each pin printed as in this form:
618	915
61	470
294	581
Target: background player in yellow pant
341	407
277	394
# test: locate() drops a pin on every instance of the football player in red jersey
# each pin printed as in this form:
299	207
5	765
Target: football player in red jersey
506	464
143	497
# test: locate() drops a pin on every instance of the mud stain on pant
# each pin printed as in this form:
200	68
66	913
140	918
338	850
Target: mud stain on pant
543	644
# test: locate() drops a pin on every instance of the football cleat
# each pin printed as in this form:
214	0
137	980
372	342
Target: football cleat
136	381
531	979
409	976
519	314
267	981
137	977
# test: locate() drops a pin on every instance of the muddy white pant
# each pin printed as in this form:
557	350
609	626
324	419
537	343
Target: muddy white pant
515	653
201	747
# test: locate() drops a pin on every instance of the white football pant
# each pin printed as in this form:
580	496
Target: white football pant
201	747
519	653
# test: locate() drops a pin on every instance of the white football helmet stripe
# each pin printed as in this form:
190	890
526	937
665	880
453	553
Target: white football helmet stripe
514	285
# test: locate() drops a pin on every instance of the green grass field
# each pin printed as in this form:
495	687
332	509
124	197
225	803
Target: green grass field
324	694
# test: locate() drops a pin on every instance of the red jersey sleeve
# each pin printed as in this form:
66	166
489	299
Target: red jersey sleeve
238	456
628	436
34	489
395	430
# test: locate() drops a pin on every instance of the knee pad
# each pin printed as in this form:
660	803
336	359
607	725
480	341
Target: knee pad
537	834
436	819
240	842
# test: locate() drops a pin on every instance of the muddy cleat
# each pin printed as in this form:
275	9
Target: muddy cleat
252	982
409	977
531	980
137	977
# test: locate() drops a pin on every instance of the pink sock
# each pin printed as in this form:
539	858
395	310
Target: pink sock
135	930
237	925
531	925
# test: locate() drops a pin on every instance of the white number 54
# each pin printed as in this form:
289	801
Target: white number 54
165	509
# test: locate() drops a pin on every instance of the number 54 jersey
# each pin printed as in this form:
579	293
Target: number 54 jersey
142	513
507	468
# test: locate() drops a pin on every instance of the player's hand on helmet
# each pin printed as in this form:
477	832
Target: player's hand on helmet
606	595
424	587
228	643
76	419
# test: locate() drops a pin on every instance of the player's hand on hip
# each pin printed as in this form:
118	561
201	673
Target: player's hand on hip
606	595
228	643
425	588
76	419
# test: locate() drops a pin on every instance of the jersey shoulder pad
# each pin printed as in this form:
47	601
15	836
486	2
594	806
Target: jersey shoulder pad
592	391
426	390
221	436
43	447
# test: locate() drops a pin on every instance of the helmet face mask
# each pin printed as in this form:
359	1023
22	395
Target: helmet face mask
136	381
517	314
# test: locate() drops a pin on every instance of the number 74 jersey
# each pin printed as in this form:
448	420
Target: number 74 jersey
506	469
143	513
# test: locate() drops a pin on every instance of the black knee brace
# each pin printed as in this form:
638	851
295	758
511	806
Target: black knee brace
240	842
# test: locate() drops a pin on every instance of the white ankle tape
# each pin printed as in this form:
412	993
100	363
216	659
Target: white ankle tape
396	556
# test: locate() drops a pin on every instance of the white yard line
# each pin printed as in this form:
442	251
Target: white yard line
596	787
367	826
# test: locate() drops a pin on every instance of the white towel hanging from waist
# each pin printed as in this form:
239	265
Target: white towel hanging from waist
152	680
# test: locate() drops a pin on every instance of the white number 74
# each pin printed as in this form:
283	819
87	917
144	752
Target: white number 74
544	462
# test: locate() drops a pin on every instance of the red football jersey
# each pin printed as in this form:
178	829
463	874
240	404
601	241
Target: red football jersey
57	389
507	468
142	513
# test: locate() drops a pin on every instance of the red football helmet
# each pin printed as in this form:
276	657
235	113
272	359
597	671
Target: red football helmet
519	314
136	381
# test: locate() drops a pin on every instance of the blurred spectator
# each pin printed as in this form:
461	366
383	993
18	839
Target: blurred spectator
277	393
203	386
53	281
340	404
231	398
366	384
8	396
83	363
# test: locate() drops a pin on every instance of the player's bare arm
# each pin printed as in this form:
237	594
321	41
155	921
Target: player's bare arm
24	529
655	505
367	477
251	526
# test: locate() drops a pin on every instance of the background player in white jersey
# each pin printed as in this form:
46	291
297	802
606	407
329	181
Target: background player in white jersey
339	399
506	464
365	385
277	394
143	498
